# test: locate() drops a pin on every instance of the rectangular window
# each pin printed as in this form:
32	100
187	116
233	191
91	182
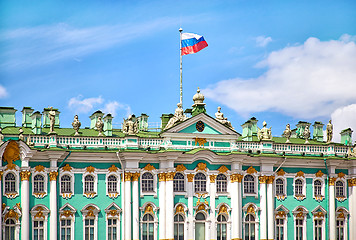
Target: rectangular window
66	229
38	230
279	229
112	229
299	229
89	229
340	229
318	229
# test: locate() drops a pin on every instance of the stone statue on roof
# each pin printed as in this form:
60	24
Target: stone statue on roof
76	125
220	117
287	133
178	116
21	137
1	136
52	120
329	132
351	152
264	133
99	126
306	134
130	126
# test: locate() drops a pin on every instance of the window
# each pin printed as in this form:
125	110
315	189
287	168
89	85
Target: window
279	229
250	227
199	226
112	184
147	227
299	229
10	183
221	183
38	230
178	227
317	188
66	184
66	229
279	187
249	184
112	229
200	182
298	187
10	226
147	182
340	229
89	184
89	229
339	189
222	227
318	229
90	221
38	183
178	182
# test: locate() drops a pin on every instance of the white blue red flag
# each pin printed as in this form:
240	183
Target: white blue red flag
192	43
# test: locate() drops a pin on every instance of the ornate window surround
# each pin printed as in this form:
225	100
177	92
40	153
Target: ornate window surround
14	214
251	208
113	211
40	212
15	172
149	208
91	211
342	214
71	174
302	178
182	209
185	193
227	193
319	213
207	189
154	174
42	172
255	194
113	195
300	213
322	180
281	212
343	180
90	171
283	196
224	209
67	212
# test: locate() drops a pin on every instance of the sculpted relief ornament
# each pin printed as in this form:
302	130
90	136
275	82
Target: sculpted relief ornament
351	152
220	117
178	117
264	133
130	126
76	125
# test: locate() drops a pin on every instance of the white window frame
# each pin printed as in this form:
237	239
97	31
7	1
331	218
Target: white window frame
113	195
317	216
341	198
184	214
154	214
283	196
228	218
206	221
227	185
85	211
297	196
67	212
154	192
206	183
255	214
44	217
303	216
322	196
17	221
344	217
113	215
90	194
66	195
185	184
255	194
45	184
285	223
11	195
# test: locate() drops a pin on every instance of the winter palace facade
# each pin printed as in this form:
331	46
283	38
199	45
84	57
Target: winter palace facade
196	178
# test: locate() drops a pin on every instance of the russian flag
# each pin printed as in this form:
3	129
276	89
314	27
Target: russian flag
192	43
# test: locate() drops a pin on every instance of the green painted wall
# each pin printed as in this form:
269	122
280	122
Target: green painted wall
207	129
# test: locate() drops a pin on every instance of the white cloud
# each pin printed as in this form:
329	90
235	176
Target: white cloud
343	118
3	92
262	41
113	106
305	81
80	105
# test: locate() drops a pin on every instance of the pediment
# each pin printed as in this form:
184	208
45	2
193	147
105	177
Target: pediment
194	126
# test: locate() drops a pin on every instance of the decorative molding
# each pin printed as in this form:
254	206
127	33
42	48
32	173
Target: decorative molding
180	209
162	177
236	178
319	215
10	166
300	174
352	182
39	168
170	176
281	172
299	197
53	176
181	168
223	209
40	194
90	169
200	141
67	213
250	209
1	173
148	209
212	178
341	175
113	168
67	195
281	214
281	197
269	179
25	175
90	194
251	170
319	174
262	179
201	167
67	168
332	181
11	214
223	169
135	176
190	177
149	167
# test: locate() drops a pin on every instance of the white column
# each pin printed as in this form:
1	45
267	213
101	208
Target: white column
263	212
53	205
239	210
127	196
332	220
135	208
352	207
190	207
236	207
169	206
25	204
162	205
270	207
212	193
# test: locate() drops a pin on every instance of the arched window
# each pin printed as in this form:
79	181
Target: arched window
221	183
317	188
279	187
200	182
298	187
10	182
200	226
178	182
147	182
89	183
178	227
250	223
66	184
222	227
249	184
112	184
10	226
339	189
38	183
147	227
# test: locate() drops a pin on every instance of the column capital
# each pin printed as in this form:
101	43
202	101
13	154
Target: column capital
25	175
212	178
170	176
162	177
332	181
270	179
127	176
236	177
262	179
53	176
352	182
190	177
135	176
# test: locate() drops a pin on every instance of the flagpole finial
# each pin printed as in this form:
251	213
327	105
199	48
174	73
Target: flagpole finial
180	29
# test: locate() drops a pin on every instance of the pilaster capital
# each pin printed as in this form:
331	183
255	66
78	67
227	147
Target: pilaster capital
332	181
1	173
262	179
127	176
53	176
352	182
135	176
212	178
25	175
190	177
162	177
270	179
170	176
236	177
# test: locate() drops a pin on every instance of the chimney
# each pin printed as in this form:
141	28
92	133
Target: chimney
7	117
94	117
26	117
108	125
318	133
346	136
36	122
249	129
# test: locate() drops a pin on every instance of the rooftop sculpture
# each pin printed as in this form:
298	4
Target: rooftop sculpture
220	117
264	133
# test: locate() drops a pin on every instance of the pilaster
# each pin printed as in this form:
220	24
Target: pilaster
212	192
53	205
190	207
236	207
25	203
162	205
332	220
169	206
135	207
352	207
263	205
127	182
270	207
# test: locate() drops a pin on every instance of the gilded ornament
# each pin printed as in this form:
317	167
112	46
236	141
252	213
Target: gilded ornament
281	172
319	214
11	166
319	174
300	174
212	178
170	176
90	214
269	179
201	166
25	175
223	169
206	202
250	209
223	209
149	167
11	153
281	214
39	214
67	168
300	215
1	173
3	207
251	170
53	176
148	209
135	176
341	175
162	177
236	177
332	181
90	194
113	212
39	168
90	169
200	141
190	177
127	176
181	168
201	207
11	214
18	205
179	209
113	168
262	179
352	182
67	213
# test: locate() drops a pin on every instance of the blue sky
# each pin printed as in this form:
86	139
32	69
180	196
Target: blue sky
280	61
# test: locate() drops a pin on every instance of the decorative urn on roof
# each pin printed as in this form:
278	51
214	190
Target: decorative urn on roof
199	105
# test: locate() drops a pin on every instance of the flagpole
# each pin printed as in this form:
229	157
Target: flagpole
180	54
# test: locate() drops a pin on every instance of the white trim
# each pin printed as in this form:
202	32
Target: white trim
45	184
44	217
346	215
342	198
256	193
322	196
118	178
155	219
154	193
72	218
285	222
11	195
117	217
66	195
95	192
228	182
95	210
207	185
304	213
17	222
185	192
283	196
255	215
303	196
